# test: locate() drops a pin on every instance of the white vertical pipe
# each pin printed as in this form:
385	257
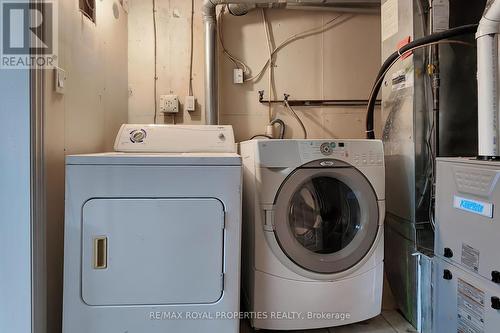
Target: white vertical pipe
492	11
487	73
488	80
211	82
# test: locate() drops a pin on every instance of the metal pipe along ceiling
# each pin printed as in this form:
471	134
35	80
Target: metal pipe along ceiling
243	6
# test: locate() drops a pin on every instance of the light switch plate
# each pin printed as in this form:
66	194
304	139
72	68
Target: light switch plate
190	104
60	80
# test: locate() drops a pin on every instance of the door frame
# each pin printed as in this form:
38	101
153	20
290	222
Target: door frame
21	101
38	195
38	202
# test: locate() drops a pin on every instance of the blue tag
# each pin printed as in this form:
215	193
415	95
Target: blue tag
474	206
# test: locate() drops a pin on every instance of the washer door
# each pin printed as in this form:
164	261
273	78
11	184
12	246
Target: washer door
326	219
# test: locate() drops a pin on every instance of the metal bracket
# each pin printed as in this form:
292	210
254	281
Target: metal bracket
318	102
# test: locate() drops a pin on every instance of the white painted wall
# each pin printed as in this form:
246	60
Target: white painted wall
339	64
173	23
83	120
15	200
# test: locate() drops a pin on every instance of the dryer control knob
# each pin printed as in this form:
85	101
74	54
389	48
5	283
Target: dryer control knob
495	303
138	136
447	275
495	277
448	253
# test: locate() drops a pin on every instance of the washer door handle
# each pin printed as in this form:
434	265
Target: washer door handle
269	220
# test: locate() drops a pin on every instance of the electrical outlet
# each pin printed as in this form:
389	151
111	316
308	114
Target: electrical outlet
169	103
190	104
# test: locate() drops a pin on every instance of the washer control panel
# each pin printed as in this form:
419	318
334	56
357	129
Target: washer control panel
328	148
357	153
367	158
314	150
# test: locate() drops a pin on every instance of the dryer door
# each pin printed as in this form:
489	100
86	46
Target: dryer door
152	251
326	219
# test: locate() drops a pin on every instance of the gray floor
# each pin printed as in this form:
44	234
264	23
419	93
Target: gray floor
388	322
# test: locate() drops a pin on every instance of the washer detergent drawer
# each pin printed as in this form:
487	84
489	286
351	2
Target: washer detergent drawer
152	251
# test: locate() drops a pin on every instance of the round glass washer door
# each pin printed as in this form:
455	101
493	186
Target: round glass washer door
326	219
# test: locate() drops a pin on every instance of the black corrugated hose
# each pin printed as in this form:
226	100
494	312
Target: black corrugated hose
462	30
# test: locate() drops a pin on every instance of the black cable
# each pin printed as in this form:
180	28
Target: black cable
462	30
261	136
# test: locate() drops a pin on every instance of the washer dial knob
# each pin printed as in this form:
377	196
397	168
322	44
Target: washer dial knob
326	149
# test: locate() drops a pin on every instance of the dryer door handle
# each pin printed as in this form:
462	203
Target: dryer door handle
100	252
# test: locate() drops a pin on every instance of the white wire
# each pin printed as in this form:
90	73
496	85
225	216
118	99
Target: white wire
294	114
191	57
155	27
241	64
270	48
237	62
291	39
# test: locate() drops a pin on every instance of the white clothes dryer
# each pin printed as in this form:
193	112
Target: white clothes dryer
153	233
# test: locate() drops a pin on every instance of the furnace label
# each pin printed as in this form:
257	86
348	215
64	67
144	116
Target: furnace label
470	257
402	79
441	15
470	306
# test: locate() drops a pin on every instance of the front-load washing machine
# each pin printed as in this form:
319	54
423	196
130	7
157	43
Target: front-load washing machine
153	233
313	217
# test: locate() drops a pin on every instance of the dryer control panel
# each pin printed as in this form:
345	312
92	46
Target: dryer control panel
175	139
